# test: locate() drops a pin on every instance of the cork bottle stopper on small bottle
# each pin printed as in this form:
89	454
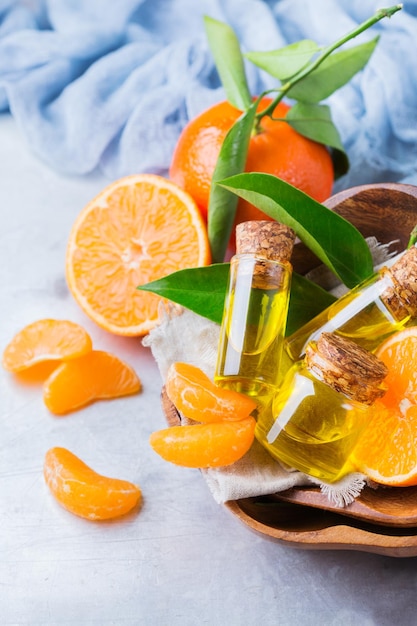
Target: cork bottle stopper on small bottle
269	241
347	367
401	297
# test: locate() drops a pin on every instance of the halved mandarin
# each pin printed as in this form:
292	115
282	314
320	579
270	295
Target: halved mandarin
387	450
138	229
399	353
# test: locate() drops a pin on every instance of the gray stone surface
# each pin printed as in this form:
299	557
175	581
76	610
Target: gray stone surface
183	560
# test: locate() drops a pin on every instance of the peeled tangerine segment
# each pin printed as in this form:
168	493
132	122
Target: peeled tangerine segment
205	445
84	492
94	376
198	398
45	340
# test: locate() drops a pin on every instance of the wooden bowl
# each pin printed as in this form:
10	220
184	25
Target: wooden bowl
387	211
312	529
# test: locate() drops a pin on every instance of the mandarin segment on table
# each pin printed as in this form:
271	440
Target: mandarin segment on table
83	491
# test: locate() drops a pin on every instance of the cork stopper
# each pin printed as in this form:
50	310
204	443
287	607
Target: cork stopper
270	240
347	367
401	297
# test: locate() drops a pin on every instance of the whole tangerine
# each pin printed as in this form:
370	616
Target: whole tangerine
275	149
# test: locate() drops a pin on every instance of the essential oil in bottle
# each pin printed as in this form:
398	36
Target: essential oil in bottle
370	312
255	311
322	407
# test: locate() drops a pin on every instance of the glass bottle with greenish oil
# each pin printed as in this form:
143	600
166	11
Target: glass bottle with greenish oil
322	408
369	313
255	311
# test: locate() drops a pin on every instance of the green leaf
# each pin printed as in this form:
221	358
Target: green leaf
306	301
332	73
315	122
200	289
228	58
334	240
222	203
285	62
413	238
203	290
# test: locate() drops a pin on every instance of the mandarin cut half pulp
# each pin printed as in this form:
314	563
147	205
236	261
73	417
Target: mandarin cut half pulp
138	229
205	445
387	450
84	492
198	398
276	149
45	340
97	375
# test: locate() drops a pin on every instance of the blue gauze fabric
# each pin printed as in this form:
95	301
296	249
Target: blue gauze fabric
98	84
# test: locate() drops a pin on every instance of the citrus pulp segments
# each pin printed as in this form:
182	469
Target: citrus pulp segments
138	229
94	376
45	340
202	446
194	394
387	450
84	492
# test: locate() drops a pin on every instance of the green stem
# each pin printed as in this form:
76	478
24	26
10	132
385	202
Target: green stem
327	51
413	238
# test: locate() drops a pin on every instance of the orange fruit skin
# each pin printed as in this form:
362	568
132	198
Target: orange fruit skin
204	445
94	376
277	150
45	340
138	229
198	398
387	451
84	492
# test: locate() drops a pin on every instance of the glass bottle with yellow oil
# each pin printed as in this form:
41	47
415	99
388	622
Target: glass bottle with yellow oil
322	407
255	310
370	312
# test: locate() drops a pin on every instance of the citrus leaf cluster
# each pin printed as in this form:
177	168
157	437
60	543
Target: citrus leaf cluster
307	73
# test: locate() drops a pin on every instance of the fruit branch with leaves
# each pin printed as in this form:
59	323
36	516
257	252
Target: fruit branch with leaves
308	74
